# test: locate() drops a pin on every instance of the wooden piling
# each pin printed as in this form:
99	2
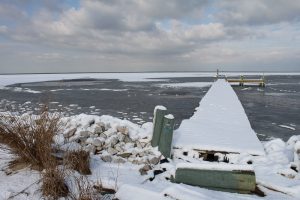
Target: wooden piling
166	136
159	113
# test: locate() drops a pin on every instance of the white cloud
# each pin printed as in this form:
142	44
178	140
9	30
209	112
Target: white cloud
153	35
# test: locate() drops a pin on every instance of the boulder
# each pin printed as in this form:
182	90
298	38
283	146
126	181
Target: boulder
127	139
98	130
119	160
85	133
121	136
123	129
90	148
154	160
112	151
70	133
144	170
102	125
97	142
106	158
125	155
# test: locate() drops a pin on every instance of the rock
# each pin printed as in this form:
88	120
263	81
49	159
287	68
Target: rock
103	135
85	133
102	125
119	160
144	170
118	148
138	162
91	122
139	145
112	151
124	155
89	141
90	148
141	154
72	146
99	148
143	144
127	139
121	137
70	133
106	158
112	141
98	143
109	132
107	126
128	145
123	129
154	160
98	130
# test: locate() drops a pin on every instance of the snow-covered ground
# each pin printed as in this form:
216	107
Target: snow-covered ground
114	170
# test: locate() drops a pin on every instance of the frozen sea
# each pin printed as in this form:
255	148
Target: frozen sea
273	111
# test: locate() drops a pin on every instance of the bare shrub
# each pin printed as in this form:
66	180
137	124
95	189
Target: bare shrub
30	137
79	161
53	183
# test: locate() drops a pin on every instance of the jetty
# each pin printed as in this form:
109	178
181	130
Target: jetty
242	81
219	125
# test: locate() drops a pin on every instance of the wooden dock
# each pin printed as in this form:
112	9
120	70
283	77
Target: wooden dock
242	81
219	124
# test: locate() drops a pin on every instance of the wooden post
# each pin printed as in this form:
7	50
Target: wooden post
159	113
166	136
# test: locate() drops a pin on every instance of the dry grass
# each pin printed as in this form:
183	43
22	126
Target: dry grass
85	190
53	183
30	137
79	161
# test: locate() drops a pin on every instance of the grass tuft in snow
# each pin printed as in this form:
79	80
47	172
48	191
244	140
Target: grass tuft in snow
30	138
79	161
53	183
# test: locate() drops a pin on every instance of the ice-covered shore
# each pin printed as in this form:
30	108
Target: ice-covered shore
122	159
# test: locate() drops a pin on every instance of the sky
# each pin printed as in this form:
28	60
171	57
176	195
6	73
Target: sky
38	36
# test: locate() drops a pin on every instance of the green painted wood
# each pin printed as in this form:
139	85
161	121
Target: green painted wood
166	136
232	181
157	126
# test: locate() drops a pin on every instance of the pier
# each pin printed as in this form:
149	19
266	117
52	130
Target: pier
242	81
219	124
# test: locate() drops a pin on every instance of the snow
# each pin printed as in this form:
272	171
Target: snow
169	116
288	127
214	166
187	84
159	107
272	170
219	124
130	192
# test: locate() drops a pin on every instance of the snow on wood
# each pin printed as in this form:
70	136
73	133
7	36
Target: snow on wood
219	124
215	166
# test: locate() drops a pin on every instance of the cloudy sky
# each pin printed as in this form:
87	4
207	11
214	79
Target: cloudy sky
149	35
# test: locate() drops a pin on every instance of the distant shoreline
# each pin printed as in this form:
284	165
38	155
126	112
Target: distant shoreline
275	72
